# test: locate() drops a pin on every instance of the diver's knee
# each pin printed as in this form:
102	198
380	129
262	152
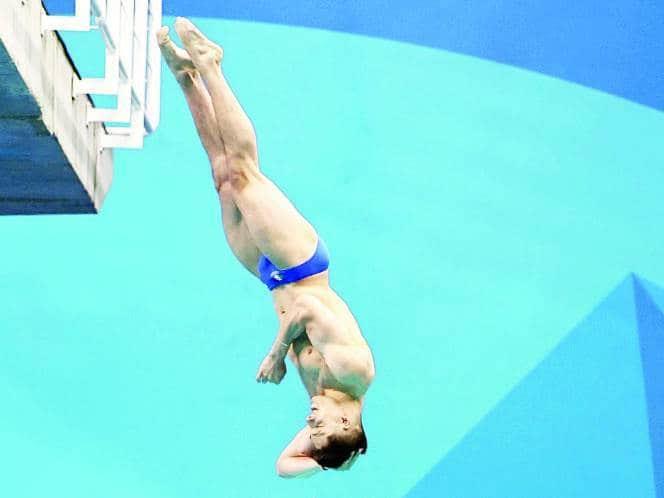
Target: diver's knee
220	173
242	149
242	170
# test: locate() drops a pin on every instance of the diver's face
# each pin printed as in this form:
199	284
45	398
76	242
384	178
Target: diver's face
325	418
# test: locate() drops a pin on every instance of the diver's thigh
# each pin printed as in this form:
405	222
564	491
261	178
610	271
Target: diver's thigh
276	226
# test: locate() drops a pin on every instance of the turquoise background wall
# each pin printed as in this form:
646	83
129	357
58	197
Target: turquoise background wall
496	230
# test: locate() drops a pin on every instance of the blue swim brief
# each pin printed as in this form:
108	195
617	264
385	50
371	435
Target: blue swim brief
274	277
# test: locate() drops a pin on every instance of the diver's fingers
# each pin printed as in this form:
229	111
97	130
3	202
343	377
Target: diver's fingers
260	377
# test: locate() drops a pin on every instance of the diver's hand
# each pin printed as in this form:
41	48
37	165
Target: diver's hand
273	369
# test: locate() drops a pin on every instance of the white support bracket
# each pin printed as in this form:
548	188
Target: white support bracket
132	65
79	22
108	21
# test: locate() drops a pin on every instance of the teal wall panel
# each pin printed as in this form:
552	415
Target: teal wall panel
474	213
576	426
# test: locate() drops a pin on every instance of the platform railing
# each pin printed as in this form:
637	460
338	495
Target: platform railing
132	65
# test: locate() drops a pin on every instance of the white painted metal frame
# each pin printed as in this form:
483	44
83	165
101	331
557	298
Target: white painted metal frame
132	67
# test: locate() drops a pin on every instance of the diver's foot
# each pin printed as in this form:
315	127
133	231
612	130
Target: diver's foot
202	51
178	59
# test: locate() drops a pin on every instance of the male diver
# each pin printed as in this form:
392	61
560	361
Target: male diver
274	242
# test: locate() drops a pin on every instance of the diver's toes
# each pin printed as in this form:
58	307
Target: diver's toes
162	35
183	24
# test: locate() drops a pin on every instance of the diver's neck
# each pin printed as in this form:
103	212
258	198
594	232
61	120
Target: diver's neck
339	396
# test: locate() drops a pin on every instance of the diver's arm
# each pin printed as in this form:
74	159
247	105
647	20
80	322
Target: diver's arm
273	367
291	328
295	461
289	467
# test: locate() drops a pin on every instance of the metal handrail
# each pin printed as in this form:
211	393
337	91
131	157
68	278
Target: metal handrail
132	66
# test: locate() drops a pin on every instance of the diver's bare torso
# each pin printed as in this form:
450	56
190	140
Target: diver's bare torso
312	367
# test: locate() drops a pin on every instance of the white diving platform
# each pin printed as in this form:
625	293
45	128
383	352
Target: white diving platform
56	153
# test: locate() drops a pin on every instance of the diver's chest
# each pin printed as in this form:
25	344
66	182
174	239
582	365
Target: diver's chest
308	358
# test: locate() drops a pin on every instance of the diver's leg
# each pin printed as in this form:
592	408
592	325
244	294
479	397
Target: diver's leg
279	230
200	105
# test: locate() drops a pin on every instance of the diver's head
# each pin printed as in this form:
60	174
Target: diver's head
336	430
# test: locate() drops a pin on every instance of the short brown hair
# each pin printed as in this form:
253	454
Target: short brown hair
339	448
